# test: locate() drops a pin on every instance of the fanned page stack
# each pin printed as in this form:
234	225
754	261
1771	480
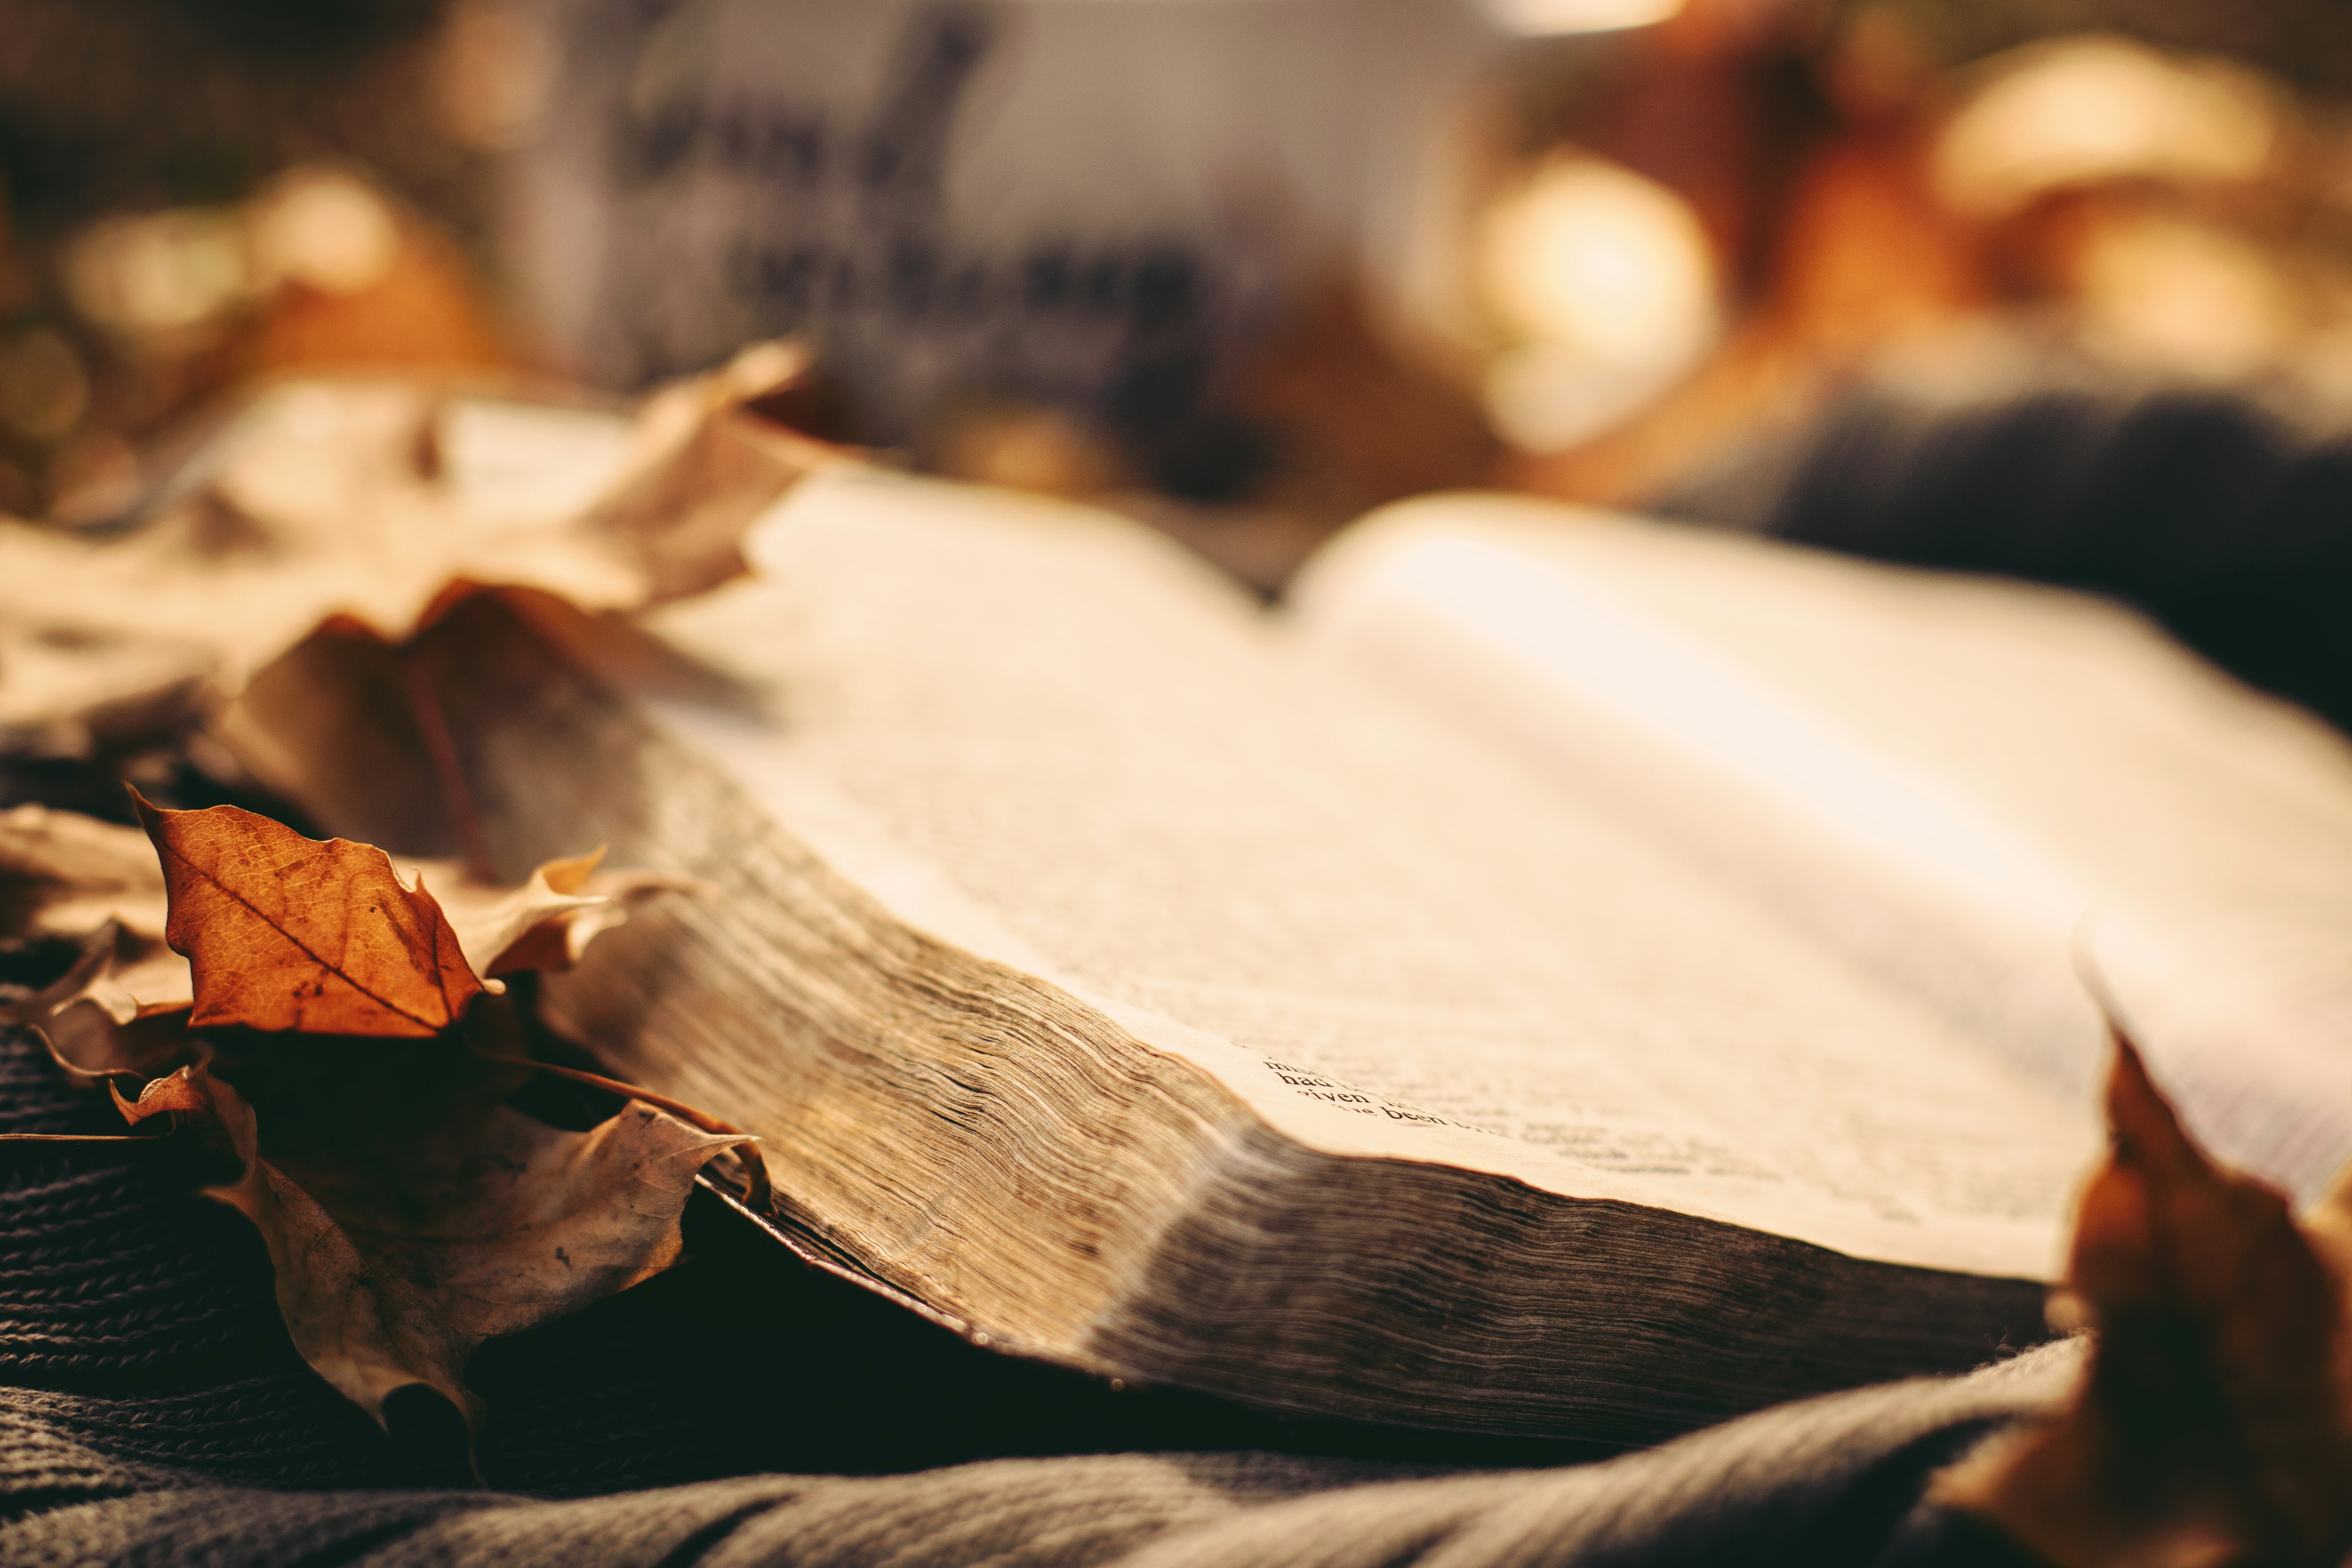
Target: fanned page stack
1566	976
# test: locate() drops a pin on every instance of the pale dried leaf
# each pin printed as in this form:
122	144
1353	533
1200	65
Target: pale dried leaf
66	874
92	1046
490	921
390	1272
699	471
157	978
119	974
313	508
560	944
545	923
314	505
19	1005
572	874
70	683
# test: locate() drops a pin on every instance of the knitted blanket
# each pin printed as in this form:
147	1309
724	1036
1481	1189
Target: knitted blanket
152	1411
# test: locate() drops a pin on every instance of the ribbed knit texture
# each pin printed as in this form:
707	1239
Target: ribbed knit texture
137	1316
152	1411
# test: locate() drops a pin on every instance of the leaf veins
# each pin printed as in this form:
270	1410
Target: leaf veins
285	932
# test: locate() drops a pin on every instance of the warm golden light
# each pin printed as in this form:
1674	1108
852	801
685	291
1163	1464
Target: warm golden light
325	230
1534	17
2086	109
158	272
1605	283
2187	295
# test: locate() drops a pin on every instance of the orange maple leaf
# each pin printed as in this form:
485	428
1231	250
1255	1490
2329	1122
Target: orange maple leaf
284	932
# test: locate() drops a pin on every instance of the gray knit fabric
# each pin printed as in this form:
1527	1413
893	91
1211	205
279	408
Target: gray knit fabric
1835	1480
152	1412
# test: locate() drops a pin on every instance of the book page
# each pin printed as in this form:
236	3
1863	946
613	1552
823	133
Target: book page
1047	736
1940	776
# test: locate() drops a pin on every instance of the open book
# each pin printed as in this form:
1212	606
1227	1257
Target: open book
1564	976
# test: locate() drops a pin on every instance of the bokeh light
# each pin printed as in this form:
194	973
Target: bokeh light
1539	18
2085	108
323	229
1605	284
157	273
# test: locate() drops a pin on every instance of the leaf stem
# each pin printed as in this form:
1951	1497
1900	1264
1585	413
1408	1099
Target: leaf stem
171	1124
77	1138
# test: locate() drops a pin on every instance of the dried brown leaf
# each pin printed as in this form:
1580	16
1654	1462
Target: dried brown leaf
22	1004
64	873
312	504
285	932
409	1212
92	1046
699	471
98	1017
75	682
503	931
155	978
396	1254
2214	1422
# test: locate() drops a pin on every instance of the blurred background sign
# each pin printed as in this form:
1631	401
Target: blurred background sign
1083	206
1247	267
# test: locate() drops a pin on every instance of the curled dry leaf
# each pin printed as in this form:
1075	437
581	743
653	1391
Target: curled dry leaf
64	874
92	955
74	686
546	924
2214	1422
557	892
91	1046
153	979
399	1251
66	878
312	501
